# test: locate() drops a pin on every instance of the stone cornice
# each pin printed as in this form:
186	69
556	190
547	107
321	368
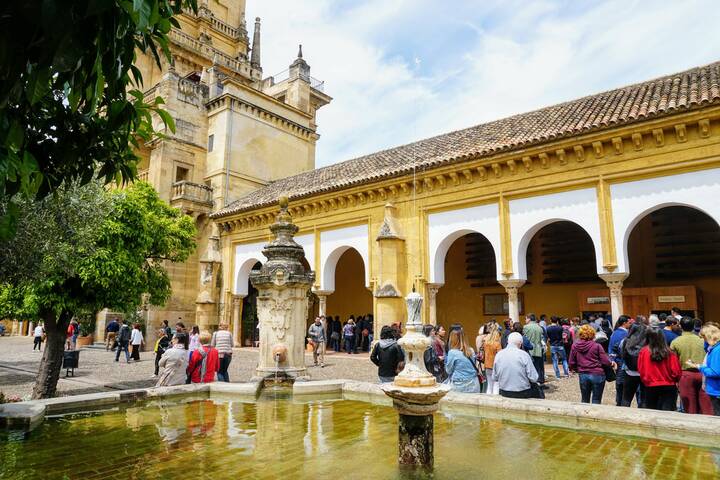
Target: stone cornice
227	100
612	145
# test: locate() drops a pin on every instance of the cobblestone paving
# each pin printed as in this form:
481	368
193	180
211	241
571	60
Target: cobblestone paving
99	372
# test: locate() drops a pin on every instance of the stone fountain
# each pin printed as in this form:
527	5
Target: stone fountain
282	307
415	393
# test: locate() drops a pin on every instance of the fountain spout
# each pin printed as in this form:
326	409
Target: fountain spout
415	394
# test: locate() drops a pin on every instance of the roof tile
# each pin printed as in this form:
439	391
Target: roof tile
653	98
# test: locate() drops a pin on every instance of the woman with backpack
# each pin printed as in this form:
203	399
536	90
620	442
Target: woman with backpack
588	358
460	364
387	355
174	362
659	369
162	344
204	361
630	348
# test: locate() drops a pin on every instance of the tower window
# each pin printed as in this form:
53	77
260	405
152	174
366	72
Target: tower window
211	142
181	174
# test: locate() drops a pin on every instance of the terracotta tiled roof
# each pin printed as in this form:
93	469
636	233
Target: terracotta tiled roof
651	99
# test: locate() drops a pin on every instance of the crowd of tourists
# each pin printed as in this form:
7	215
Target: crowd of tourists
181	355
353	336
653	360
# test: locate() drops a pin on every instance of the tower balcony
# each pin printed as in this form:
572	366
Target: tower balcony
191	197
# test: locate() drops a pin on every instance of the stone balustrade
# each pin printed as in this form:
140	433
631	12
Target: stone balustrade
239	66
143	176
193	192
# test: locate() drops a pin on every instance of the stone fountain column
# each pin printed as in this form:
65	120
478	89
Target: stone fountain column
282	307
415	394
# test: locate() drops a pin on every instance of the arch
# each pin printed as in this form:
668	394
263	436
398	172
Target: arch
632	201
633	223
328	273
437	272
333	243
521	254
446	227
246	256
529	215
243	275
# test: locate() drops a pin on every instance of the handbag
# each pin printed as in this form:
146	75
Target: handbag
610	375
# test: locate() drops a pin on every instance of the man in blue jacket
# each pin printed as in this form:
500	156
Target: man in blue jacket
615	354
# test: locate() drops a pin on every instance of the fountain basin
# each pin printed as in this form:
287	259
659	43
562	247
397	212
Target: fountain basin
177	432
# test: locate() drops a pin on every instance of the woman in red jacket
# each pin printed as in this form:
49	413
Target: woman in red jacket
660	371
204	362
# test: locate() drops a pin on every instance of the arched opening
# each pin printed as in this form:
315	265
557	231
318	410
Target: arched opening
561	265
249	334
674	261
471	294
351	296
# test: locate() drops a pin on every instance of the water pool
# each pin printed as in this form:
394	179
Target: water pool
280	437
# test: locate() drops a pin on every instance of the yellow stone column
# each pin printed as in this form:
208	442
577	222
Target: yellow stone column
237	304
432	291
322	300
512	287
614	282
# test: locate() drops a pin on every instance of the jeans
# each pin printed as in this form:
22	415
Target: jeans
493	387
591	384
694	399
661	398
122	346
350	344
222	373
619	386
558	355
716	405
158	355
37	343
630	387
386	379
539	364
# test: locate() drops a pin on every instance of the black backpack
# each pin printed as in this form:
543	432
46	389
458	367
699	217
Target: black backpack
630	355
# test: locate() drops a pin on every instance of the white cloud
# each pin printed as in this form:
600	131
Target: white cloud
478	60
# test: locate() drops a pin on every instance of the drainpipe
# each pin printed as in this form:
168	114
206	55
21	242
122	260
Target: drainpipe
228	133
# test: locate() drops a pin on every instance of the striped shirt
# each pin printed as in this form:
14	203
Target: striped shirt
223	341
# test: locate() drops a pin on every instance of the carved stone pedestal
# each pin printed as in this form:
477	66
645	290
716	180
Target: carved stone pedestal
415	441
282	307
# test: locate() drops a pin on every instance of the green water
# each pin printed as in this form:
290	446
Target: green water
285	438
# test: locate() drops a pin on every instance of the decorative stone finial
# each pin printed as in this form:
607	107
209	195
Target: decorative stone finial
300	51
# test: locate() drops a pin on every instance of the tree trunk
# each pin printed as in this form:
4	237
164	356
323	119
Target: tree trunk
51	363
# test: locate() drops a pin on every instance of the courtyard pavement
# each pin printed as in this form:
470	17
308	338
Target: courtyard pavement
99	372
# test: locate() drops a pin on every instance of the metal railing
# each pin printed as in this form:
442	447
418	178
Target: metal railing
284	76
194	192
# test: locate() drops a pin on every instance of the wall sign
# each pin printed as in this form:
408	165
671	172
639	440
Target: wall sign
598	300
671	298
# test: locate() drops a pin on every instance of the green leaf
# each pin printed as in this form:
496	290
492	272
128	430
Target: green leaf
167	119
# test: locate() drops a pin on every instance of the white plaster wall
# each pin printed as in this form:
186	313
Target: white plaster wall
631	201
246	255
333	243
446	227
529	215
307	241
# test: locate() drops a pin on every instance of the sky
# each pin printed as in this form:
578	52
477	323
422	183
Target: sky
403	70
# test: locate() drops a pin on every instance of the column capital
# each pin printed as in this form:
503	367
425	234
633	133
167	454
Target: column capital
614	280
237	298
323	293
512	284
432	289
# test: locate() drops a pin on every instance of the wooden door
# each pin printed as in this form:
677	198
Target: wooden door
634	305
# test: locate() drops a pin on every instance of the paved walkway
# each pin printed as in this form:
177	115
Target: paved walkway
99	372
